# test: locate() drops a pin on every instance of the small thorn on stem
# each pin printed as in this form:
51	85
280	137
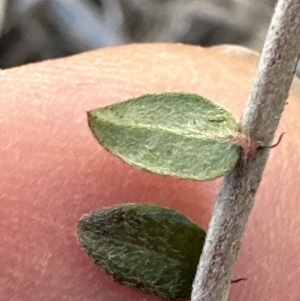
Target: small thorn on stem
271	146
238	280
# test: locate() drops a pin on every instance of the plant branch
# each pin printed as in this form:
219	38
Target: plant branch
264	107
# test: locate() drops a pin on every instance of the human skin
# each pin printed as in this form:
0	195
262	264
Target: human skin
53	171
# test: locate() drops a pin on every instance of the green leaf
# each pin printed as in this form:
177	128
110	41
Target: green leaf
150	248
176	134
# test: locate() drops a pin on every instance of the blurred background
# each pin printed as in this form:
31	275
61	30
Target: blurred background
35	30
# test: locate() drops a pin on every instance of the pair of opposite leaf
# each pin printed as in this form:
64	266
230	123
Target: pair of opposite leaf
154	249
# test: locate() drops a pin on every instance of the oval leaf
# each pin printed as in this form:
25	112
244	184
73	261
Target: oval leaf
150	248
176	134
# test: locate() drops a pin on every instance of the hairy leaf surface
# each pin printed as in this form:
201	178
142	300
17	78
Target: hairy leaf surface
177	134
150	248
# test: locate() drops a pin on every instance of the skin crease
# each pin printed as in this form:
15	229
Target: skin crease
53	171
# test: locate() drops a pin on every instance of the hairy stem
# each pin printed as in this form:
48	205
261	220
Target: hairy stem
260	120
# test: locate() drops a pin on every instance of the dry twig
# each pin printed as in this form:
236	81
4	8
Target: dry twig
261	117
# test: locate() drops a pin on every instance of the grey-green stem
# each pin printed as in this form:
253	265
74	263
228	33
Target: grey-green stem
260	120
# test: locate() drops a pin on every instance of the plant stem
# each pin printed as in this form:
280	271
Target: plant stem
264	107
